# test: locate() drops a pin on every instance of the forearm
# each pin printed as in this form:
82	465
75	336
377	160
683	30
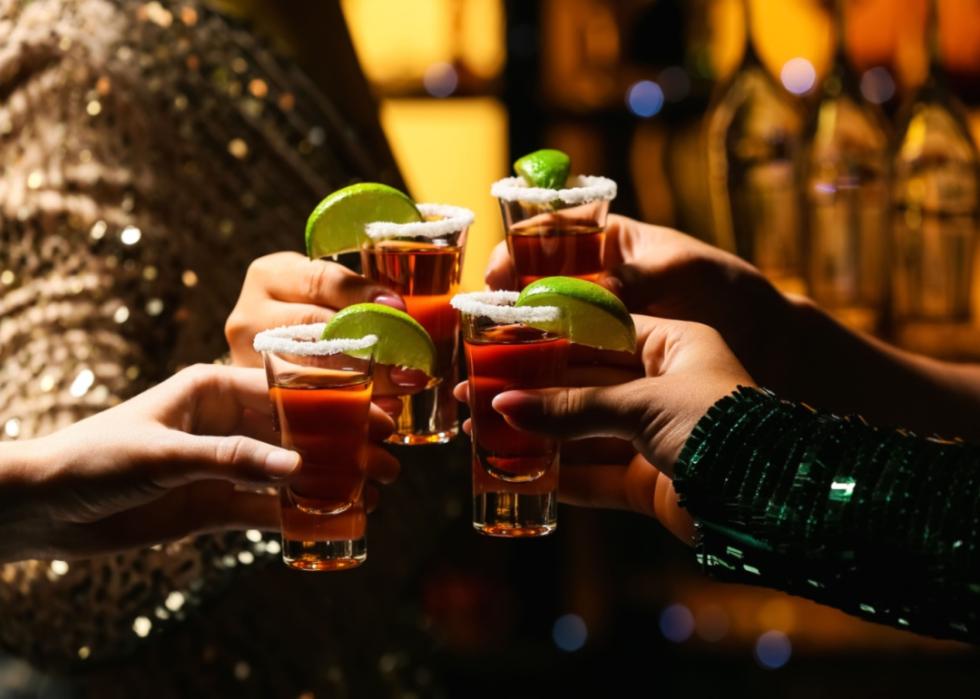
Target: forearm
878	523
20	508
822	363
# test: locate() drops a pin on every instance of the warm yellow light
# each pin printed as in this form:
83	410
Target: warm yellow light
396	40
450	151
727	35
782	30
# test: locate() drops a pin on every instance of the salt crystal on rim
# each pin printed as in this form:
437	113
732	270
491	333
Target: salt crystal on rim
452	219
303	341
587	188
498	307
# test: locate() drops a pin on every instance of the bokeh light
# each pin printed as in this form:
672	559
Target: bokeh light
711	623
877	85
773	650
798	76
645	98
676	623
440	80
675	83
570	632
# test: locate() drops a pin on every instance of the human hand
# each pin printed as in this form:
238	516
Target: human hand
661	272
286	288
686	368
786	342
155	468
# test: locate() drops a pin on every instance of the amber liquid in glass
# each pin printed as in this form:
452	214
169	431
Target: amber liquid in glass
546	251
426	275
325	419
515	473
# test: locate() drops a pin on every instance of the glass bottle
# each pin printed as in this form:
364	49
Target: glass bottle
845	196
935	200
754	135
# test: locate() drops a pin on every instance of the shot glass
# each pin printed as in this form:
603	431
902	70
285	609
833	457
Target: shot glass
554	232
321	392
515	473
422	262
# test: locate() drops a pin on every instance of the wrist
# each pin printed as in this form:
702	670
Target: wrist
18	464
782	335
21	467
835	368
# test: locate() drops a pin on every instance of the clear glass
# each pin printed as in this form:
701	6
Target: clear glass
515	473
321	407
555	239
846	198
754	144
935	200
425	272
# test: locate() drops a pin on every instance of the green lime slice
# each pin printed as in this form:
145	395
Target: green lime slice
337	223
401	340
594	315
546	168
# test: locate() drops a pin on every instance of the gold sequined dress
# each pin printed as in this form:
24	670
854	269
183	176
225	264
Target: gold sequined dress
149	151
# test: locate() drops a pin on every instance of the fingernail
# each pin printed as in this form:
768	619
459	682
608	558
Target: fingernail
391	406
281	462
408	378
513	403
614	284
390	300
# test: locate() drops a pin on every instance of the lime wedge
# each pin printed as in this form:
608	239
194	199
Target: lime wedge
546	168
337	223
401	340
594	315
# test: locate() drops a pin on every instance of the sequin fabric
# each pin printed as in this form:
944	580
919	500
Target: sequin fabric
880	523
149	152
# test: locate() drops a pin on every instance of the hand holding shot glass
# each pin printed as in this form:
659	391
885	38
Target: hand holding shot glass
417	252
555	224
521	341
320	383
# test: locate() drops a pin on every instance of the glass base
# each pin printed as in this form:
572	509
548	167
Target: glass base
515	515
317	556
409	439
427	417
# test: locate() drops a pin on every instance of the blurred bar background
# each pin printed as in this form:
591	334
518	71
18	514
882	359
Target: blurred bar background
832	144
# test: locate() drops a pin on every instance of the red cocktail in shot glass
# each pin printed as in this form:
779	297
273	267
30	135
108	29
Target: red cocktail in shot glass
553	232
321	392
422	262
515	473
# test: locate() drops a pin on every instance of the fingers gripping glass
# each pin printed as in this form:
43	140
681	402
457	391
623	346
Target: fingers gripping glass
321	392
422	262
515	473
555	231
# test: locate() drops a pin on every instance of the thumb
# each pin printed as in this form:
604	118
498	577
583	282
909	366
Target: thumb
574	413
500	272
187	458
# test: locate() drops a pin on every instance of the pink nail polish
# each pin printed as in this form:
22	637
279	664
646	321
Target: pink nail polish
408	378
614	284
390	300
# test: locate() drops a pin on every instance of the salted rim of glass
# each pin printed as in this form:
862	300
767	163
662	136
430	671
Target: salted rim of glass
587	188
499	307
302	340
453	219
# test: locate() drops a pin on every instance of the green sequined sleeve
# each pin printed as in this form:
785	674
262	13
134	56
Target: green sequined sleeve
883	524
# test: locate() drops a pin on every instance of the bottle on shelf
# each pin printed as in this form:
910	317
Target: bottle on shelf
846	197
754	137
934	217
